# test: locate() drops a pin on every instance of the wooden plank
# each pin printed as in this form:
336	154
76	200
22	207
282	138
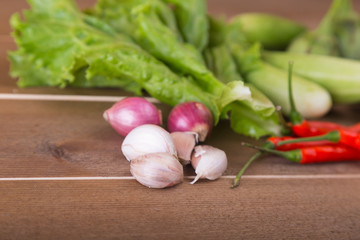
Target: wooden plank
56	138
7	84
260	209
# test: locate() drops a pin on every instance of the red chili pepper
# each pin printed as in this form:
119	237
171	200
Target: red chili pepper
273	143
314	128
349	138
315	154
354	128
333	153
301	127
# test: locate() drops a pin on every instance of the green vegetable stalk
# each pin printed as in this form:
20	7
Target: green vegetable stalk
219	60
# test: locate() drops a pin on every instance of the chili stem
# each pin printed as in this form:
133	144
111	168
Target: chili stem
333	136
260	148
243	169
295	116
293	155
291	97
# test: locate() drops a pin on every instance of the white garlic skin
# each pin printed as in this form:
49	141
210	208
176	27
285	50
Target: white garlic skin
146	139
157	170
184	143
208	162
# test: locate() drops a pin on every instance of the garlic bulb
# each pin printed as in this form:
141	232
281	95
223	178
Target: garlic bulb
146	139
184	143
208	162
157	170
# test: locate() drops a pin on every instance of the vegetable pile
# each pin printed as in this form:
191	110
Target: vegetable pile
155	155
177	53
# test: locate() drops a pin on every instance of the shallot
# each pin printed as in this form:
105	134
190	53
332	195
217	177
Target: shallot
191	117
131	112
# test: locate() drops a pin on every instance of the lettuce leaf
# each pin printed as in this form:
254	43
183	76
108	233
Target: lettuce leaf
53	41
117	13
192	21
245	120
152	34
221	63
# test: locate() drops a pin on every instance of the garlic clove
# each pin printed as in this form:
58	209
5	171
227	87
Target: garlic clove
146	139
208	162
184	143
157	170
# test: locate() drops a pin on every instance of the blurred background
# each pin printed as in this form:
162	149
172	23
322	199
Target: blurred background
306	11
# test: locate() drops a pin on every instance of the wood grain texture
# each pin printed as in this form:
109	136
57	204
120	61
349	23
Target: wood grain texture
51	138
280	209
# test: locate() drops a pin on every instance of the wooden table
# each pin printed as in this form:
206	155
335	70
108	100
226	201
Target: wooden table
63	176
